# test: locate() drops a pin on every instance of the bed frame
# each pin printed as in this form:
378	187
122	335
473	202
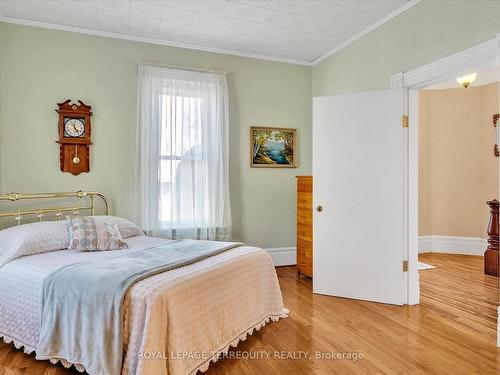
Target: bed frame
85	202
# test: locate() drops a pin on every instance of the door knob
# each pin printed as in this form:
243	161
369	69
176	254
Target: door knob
319	208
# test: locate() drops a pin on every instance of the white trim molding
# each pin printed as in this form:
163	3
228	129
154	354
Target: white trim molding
283	256
498	327
482	56
370	28
106	34
412	211
452	245
133	38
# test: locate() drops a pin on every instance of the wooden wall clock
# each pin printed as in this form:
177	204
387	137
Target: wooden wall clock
74	136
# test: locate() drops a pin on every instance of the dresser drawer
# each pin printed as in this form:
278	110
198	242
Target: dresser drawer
304	248
304	185
304	200
305	225
304	216
304	265
304	232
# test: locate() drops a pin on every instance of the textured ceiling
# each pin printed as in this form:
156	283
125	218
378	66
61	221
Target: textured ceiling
294	29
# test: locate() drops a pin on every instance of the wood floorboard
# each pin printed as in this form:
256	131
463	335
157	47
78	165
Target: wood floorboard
452	331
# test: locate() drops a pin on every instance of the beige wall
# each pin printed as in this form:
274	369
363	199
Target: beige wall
458	172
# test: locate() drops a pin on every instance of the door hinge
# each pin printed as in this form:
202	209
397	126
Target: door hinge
405	266
404	121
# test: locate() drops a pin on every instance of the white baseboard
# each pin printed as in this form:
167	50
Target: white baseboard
498	327
452	245
286	256
283	256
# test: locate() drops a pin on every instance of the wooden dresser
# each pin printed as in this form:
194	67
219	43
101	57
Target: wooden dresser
304	225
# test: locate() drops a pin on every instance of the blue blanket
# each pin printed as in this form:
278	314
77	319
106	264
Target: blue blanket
82	315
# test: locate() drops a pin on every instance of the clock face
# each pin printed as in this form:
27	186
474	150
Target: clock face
74	128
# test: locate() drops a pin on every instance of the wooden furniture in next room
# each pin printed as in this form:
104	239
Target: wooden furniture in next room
492	251
304	225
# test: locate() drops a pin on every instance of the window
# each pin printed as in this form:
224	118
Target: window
183	169
180	149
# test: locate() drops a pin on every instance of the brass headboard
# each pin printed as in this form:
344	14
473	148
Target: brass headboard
87	198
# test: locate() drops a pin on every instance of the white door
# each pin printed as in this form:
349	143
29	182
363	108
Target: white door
359	170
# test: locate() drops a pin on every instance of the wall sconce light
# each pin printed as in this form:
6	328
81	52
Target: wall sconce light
465	81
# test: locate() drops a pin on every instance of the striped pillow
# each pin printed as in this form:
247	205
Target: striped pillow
87	234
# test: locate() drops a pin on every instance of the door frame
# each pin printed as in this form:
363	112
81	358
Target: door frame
485	55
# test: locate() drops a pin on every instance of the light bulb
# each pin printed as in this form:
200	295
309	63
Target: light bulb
465	81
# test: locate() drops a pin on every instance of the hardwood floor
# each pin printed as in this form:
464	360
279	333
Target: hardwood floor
452	331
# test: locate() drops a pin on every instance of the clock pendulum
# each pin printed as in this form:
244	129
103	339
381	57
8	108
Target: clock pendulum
76	159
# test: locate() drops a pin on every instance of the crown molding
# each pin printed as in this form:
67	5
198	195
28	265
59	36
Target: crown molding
369	29
140	39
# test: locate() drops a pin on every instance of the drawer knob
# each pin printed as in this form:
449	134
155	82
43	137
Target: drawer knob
319	208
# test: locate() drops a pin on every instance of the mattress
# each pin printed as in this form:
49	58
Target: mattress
200	310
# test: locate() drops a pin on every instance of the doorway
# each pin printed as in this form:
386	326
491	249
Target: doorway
366	191
478	58
458	174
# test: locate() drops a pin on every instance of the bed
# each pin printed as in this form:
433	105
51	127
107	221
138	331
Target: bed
174	322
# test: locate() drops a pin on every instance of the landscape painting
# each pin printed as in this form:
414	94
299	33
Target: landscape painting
273	147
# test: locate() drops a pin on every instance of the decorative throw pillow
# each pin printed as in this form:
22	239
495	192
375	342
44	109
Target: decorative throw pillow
127	228
88	234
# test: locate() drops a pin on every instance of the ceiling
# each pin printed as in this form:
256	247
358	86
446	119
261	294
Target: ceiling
484	77
297	30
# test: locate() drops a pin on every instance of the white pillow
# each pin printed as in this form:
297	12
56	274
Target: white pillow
34	238
126	227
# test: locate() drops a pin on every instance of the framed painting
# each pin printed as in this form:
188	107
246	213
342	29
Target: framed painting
273	147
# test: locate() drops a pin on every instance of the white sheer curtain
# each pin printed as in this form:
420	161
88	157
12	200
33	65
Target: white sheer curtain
182	146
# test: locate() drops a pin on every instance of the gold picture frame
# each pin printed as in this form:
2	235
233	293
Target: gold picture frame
273	147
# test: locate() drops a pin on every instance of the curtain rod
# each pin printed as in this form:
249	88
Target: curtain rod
192	69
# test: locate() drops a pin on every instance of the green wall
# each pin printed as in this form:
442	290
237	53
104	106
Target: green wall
427	31
40	67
